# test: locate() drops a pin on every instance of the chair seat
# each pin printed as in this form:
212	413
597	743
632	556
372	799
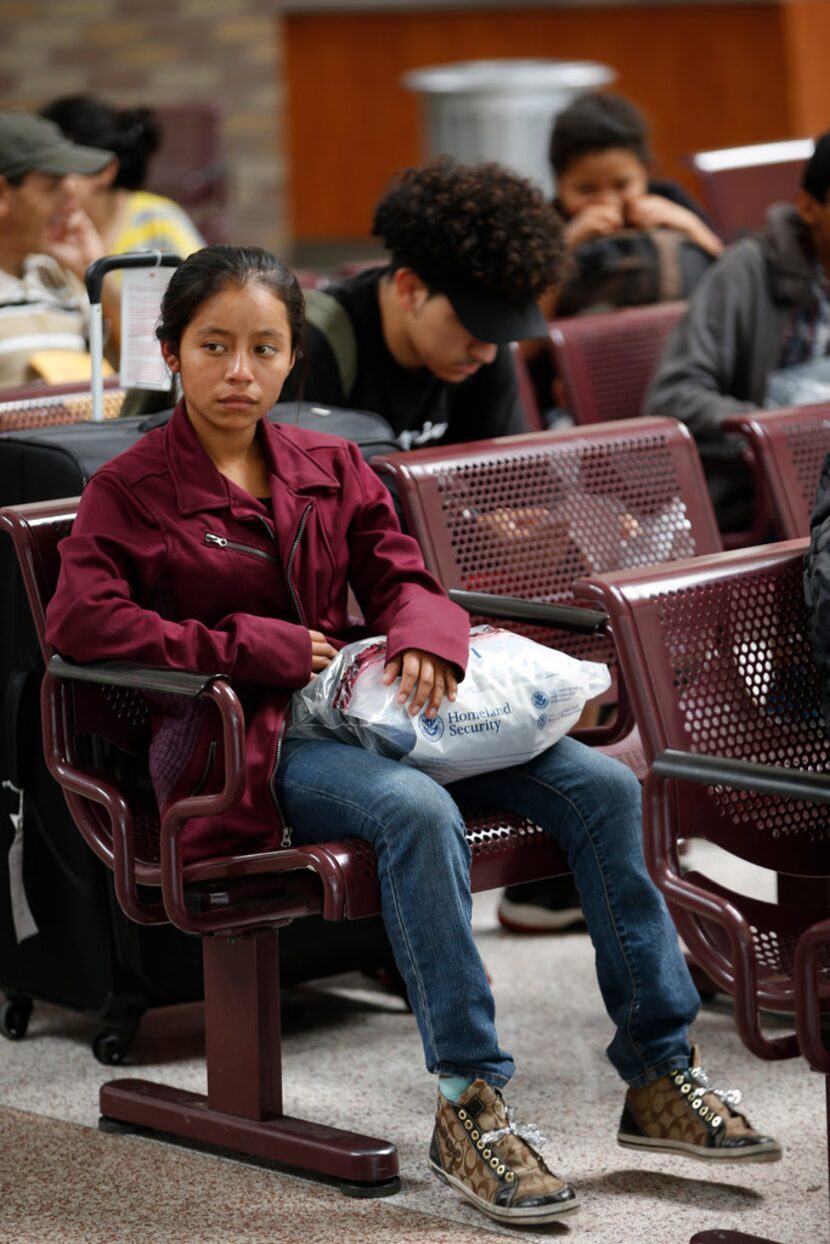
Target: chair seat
340	878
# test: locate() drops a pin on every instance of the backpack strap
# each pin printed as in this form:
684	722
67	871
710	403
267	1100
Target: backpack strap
332	319
667	243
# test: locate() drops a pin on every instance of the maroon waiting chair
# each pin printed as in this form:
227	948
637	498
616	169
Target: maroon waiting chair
606	361
96	736
788	451
525	516
738	184
191	167
44	405
715	655
527	394
729	702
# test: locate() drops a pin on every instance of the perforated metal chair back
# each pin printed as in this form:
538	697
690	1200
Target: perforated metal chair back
527	394
37	406
717	659
738	184
606	361
526	516
789	447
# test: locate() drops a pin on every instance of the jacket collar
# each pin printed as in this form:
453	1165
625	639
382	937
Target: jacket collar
200	486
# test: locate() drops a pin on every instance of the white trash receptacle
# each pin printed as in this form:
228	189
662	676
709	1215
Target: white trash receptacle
501	109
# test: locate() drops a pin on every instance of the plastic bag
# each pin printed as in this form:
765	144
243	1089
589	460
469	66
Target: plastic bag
806	384
517	699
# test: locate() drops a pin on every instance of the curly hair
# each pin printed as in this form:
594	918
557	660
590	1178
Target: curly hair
471	224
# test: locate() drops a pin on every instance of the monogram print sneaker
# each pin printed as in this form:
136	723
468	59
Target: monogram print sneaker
480	1151
683	1113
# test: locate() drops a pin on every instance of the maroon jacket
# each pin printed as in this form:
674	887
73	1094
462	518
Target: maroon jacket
171	564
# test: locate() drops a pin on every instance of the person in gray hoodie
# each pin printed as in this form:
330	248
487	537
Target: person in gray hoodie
763	306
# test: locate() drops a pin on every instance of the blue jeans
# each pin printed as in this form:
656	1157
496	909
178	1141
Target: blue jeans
590	804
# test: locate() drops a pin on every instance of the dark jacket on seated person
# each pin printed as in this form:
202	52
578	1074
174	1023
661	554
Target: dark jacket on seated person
719	357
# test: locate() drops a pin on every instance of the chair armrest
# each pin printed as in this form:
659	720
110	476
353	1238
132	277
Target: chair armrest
516	609
100	789
742	775
136	677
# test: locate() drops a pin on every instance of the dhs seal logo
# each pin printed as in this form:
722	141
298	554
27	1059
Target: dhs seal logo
431	728
542	721
539	699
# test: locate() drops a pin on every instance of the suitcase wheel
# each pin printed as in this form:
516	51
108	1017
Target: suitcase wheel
110	1047
14	1018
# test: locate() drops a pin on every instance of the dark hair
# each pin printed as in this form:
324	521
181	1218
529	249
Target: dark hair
597	122
478	225
133	134
816	176
208	271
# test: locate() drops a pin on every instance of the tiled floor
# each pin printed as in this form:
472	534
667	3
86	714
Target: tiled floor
358	1063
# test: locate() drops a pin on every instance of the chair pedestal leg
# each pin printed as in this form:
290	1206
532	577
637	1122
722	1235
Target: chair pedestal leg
242	1110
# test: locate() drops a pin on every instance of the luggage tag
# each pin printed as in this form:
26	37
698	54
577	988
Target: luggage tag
22	918
142	365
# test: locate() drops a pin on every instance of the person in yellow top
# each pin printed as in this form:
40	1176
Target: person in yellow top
127	217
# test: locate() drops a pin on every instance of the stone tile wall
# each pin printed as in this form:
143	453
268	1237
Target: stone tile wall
165	52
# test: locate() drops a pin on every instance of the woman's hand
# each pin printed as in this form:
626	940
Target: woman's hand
431	678
322	653
595	221
652	211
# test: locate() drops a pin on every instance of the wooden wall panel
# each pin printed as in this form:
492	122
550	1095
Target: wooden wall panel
707	77
806	27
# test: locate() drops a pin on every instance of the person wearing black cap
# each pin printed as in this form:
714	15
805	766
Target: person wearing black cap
46	243
756	333
472	247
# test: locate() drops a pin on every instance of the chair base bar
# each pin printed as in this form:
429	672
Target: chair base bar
729	1237
363	1165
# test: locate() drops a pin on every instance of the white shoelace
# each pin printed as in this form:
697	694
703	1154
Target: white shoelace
729	1097
525	1131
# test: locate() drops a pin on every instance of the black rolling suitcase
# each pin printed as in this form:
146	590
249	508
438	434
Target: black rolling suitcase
63	936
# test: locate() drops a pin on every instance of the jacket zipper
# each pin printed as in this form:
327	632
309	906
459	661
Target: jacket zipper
223	543
286	829
290	567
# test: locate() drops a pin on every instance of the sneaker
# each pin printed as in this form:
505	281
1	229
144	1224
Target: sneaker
548	906
683	1113
478	1149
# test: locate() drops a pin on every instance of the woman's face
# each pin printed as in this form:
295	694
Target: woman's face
233	358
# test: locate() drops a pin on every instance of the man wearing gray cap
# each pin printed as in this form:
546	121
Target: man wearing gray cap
46	244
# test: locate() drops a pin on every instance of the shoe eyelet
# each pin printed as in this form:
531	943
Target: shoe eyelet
510	1177
468	1123
462	1114
479	1144
494	1163
500	1168
716	1122
686	1089
486	1154
474	1135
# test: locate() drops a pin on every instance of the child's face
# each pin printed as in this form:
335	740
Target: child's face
233	358
614	177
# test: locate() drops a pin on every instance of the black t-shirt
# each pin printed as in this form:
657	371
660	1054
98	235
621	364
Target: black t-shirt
421	408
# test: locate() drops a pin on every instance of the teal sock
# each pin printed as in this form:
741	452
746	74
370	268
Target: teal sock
453	1087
